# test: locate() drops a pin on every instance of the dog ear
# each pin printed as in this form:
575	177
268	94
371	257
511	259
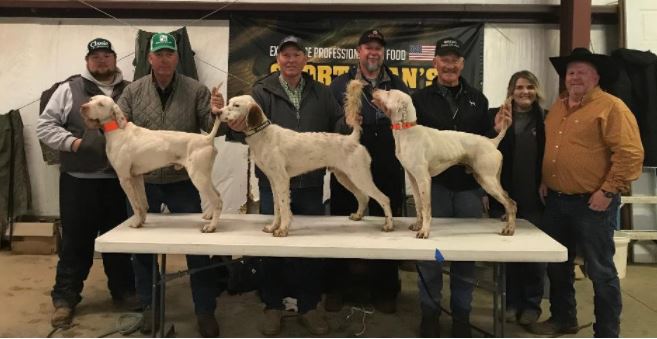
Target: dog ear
255	117
119	116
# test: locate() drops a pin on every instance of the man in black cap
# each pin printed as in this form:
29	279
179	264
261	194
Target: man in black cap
291	98
356	279
450	103
91	200
593	152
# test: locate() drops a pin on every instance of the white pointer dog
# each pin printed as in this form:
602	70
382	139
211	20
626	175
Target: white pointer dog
134	151
426	152
283	153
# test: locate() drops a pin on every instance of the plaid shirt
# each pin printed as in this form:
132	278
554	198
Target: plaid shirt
293	93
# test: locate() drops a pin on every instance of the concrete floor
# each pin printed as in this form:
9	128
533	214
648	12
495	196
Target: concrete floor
25	306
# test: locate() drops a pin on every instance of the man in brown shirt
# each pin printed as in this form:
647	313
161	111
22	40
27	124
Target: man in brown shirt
592	152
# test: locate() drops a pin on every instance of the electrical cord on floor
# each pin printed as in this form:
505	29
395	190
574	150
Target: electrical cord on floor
127	324
63	328
365	312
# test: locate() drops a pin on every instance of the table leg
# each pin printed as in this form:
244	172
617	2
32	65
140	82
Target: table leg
163	275
154	297
499	299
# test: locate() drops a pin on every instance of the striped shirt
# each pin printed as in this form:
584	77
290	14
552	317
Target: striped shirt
595	145
293	93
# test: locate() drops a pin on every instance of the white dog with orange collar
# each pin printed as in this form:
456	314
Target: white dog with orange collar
134	151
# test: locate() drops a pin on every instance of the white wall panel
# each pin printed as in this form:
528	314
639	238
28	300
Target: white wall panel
39	52
509	48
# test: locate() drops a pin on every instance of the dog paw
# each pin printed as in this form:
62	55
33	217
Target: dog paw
279	232
135	221
416	226
208	228
388	226
508	230
422	234
269	228
355	216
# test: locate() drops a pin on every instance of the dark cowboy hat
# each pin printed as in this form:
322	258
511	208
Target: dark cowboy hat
604	64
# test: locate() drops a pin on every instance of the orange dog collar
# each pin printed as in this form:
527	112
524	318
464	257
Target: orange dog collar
403	125
110	126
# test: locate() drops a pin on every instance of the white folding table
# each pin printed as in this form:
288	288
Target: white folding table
451	239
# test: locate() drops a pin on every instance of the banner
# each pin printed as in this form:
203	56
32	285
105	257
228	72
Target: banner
331	48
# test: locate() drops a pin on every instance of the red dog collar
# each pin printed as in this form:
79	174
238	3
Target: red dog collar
403	125
110	126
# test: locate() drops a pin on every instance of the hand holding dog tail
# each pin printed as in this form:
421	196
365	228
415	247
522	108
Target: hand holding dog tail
505	117
353	105
216	103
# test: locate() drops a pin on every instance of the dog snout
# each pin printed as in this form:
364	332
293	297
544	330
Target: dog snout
84	108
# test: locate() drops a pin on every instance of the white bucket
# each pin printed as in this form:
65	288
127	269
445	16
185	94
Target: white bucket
620	257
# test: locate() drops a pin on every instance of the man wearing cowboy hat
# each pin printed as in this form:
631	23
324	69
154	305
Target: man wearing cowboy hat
592	153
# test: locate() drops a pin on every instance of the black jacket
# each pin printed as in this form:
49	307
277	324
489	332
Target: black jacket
467	112
637	87
507	147
318	112
387	171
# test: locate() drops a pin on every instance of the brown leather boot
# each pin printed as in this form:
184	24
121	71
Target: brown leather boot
207	325
314	321
62	317
272	322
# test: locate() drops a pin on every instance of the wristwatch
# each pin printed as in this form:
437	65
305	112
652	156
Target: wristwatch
607	194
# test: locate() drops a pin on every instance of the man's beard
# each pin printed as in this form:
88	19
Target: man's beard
104	75
373	66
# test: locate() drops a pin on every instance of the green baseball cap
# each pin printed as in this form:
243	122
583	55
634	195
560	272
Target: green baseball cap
163	41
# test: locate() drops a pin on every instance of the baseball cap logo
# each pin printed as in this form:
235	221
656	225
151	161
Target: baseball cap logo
98	44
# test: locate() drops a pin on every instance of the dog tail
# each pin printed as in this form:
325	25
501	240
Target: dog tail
496	141
353	105
215	127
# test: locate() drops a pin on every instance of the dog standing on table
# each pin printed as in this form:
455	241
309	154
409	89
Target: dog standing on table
426	152
134	151
283	153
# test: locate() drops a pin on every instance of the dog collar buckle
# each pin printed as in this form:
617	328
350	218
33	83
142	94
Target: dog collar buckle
258	128
110	126
403	125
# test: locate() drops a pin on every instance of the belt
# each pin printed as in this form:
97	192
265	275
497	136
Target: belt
569	195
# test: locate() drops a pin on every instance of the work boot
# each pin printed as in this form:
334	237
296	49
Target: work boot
207	325
461	328
430	324
62	317
511	315
386	305
333	302
272	322
314	322
528	317
147	325
552	327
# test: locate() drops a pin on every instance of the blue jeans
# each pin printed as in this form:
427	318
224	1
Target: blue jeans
180	197
446	203
569	220
295	277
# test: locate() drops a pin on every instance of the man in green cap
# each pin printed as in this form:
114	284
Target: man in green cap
167	100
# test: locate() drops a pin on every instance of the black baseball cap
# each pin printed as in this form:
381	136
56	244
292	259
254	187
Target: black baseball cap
449	45
291	40
99	44
372	35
